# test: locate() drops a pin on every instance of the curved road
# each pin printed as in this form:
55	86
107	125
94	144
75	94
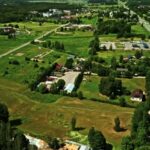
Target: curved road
25	44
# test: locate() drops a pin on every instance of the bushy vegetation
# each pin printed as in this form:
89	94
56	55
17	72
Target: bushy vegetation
110	87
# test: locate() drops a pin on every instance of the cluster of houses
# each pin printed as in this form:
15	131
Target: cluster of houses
56	12
71	27
62	72
138	95
68	145
8	30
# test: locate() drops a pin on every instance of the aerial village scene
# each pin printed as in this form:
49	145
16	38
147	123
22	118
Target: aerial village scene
74	74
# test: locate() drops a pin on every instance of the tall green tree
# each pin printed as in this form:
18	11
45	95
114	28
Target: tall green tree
4	114
126	143
96	140
147	84
117	124
73	123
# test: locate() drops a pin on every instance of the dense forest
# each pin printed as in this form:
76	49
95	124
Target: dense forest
138	2
104	1
15	12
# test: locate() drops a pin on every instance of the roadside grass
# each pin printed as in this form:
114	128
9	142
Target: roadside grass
27	32
13	43
42	119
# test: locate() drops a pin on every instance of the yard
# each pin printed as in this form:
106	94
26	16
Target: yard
90	87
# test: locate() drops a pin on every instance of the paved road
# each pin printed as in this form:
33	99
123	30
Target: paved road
145	23
25	44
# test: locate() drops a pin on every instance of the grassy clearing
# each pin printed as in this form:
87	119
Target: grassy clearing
76	44
92	21
54	119
138	29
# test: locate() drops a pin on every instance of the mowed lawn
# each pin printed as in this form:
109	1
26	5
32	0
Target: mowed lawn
27	32
138	29
53	119
76	43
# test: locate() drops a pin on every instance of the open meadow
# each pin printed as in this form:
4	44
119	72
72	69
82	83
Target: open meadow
41	119
46	114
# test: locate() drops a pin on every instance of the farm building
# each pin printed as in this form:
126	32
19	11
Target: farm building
70	145
40	144
137	95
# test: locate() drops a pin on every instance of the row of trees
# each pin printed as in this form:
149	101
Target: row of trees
17	10
108	2
112	26
140	131
54	45
41	77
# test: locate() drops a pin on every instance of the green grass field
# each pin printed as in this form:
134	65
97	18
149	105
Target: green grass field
27	32
26	71
53	119
138	29
77	43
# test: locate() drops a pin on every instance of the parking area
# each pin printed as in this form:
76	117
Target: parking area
69	77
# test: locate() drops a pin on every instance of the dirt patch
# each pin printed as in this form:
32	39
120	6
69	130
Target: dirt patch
19	54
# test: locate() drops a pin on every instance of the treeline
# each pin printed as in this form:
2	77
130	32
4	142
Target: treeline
10	137
20	11
121	28
41	77
103	1
138	2
140	130
54	45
